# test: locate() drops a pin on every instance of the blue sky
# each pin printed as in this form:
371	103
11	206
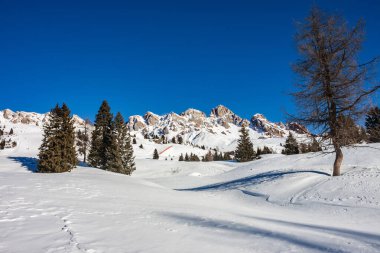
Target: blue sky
160	56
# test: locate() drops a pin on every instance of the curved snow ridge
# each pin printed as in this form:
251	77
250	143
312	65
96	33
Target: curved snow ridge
251	180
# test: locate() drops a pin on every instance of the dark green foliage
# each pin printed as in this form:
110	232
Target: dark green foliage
11	131
372	123
187	157
119	151
155	154
291	146
181	158
208	157
57	151
141	146
2	144
314	146
83	140
134	141
194	158
111	147
180	139
173	140
101	137
244	151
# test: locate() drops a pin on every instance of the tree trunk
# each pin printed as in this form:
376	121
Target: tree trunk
338	161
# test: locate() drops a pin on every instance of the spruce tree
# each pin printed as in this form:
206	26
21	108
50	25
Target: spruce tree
372	123
155	154
244	151
180	158
291	146
57	151
83	140
123	139
101	136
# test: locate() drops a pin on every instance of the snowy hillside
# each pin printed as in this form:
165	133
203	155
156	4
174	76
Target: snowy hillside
275	204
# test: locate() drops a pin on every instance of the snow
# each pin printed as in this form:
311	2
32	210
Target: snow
275	204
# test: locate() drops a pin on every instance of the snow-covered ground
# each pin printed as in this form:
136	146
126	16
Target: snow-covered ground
276	204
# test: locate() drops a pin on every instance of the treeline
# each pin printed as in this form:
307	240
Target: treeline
109	148
5	138
349	134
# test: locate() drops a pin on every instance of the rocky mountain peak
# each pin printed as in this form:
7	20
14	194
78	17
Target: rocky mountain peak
151	118
220	111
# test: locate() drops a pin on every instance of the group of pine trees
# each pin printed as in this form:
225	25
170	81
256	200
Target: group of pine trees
292	146
111	147
4	142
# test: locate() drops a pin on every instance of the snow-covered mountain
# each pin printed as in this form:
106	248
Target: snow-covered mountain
31	118
218	130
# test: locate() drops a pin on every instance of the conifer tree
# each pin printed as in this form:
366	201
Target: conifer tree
123	140
57	151
134	141
244	151
187	157
83	140
155	154
11	131
291	146
372	123
101	136
180	158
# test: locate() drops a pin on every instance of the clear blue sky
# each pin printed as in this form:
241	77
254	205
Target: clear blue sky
158	55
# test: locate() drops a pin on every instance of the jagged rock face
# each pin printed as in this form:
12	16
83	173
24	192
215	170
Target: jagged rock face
195	116
151	118
136	123
298	128
260	123
225	115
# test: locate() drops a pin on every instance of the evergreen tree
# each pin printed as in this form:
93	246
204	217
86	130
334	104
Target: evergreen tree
315	146
57	151
180	158
226	157
11	131
134	141
155	154
173	140
2	144
291	146
101	136
141	146
180	139
83	140
244	151
209	157
124	142
372	123
187	157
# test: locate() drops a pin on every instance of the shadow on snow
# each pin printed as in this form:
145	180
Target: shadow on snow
371	240
251	180
29	163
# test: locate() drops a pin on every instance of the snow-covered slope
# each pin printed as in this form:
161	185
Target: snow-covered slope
275	204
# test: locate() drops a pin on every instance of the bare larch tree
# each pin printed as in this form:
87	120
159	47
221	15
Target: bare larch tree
332	84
